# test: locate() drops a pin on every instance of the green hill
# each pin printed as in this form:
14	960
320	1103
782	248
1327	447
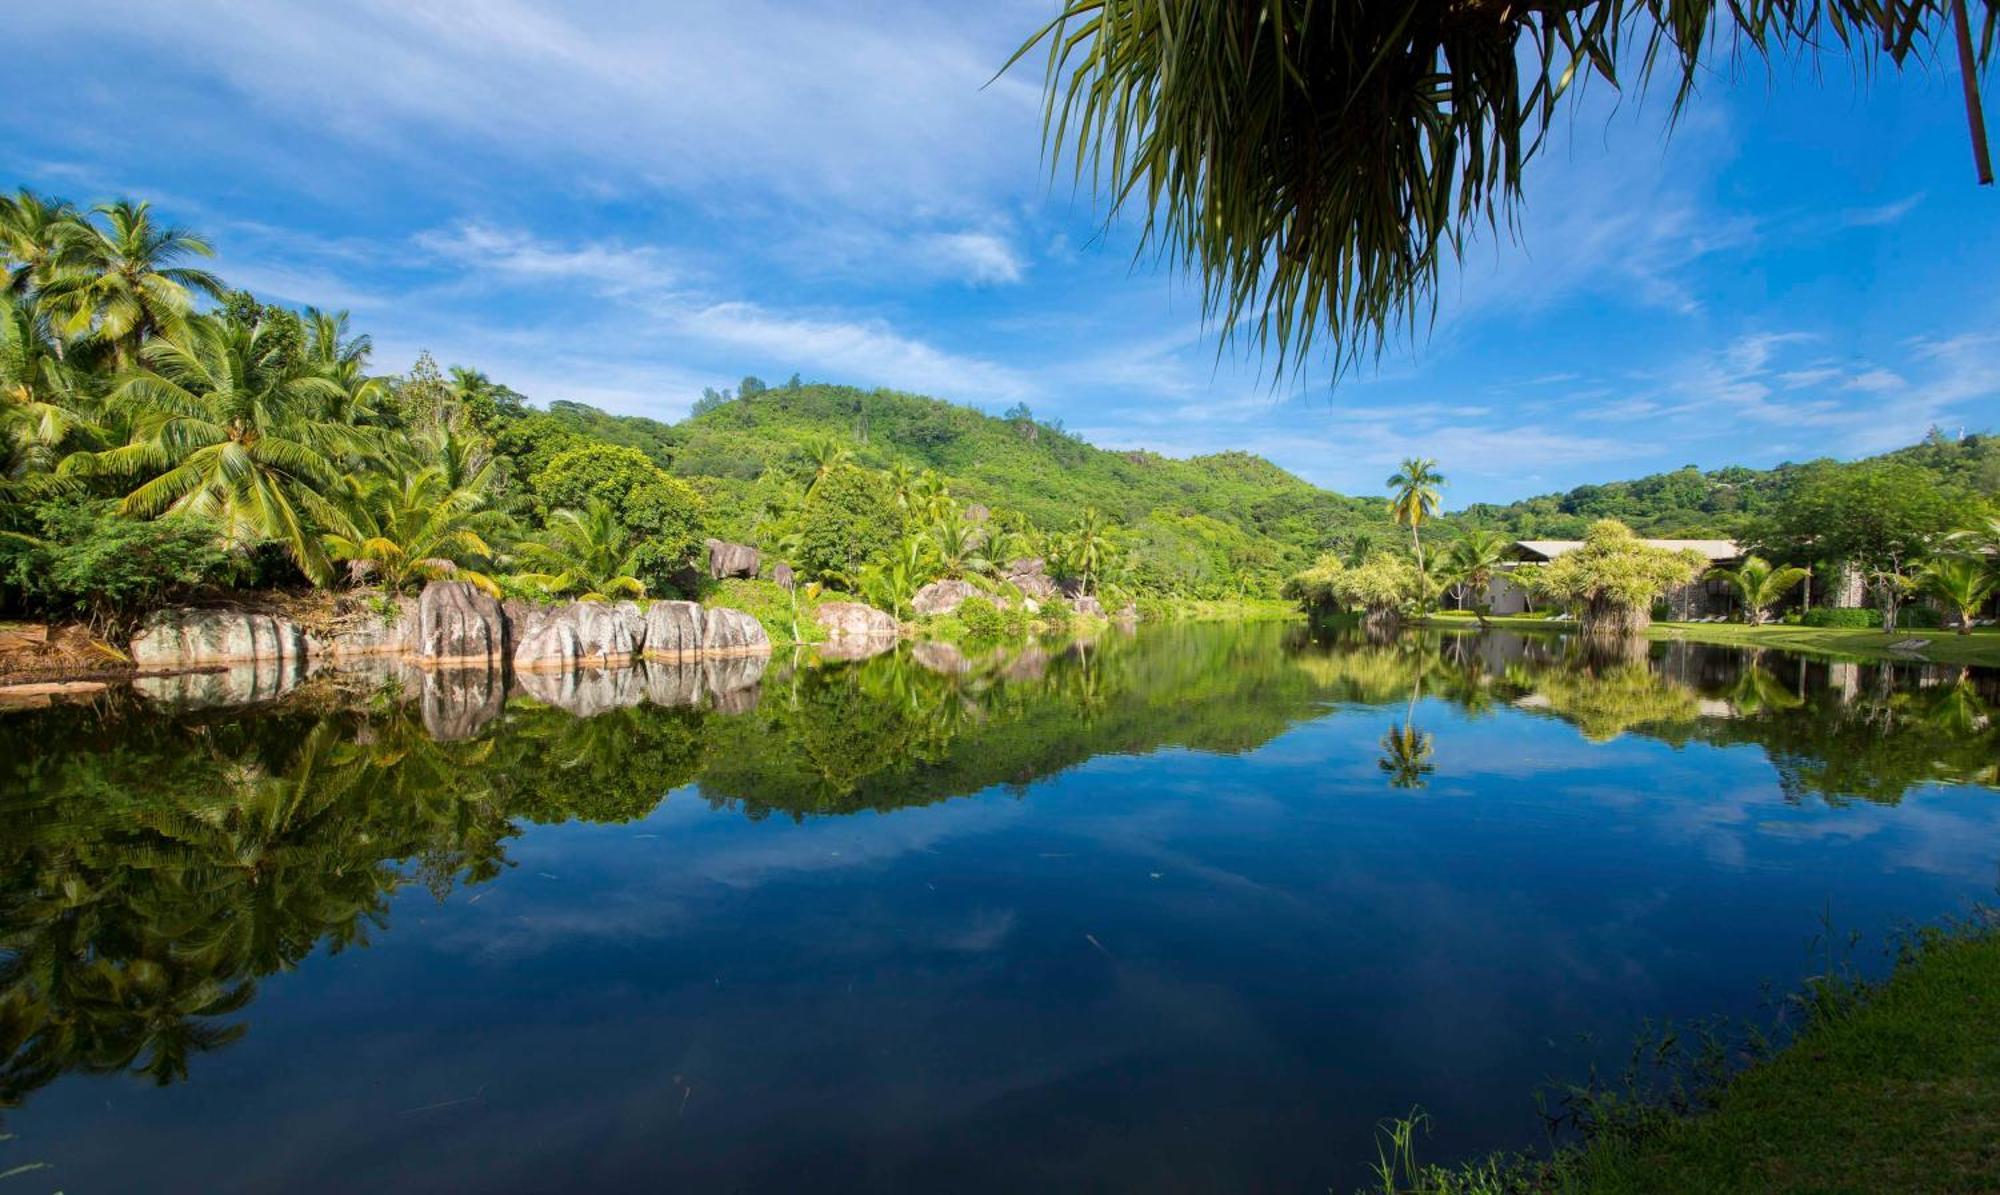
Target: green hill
1207	526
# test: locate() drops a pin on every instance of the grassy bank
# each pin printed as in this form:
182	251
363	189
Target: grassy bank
1219	610
1889	1087
1939	646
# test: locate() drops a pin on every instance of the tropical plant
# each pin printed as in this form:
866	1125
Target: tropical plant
820	456
957	548
1962	583
33	230
1319	163
117	280
1414	498
586	554
1085	551
227	423
411	523
1758	585
1473	559
1614	578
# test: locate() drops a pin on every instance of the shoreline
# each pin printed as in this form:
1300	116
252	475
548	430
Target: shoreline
1981	647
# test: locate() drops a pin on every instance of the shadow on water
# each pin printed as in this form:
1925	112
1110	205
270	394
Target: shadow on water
166	852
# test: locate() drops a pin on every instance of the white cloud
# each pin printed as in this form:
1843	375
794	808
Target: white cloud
978	257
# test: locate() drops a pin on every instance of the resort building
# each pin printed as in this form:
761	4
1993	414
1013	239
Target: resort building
1703	598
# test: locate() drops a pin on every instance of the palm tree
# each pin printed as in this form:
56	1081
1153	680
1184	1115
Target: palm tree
118	281
228	424
587	553
411	523
1414	498
956	548
43	409
1961	582
1086	550
821	456
342	359
1474	558
33	231
1317	164
1758	585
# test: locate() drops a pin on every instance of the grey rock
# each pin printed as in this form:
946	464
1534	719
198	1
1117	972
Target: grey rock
457	624
846	620
731	560
943	597
1085	603
375	636
188	638
784	576
727	632
595	633
673	631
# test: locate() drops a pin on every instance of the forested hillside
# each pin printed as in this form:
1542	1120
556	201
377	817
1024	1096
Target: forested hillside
1208	526
1728	502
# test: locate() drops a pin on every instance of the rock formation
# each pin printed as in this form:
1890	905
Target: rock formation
457	624
943	597
193	638
731	560
849	620
784	576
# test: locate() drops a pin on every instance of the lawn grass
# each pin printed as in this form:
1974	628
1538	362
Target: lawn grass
1939	646
1900	1094
1890	1087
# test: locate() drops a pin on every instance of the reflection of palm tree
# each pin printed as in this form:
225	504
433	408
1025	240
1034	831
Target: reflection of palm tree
1406	756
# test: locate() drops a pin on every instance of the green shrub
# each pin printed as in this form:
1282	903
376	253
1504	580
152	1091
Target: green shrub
850	519
92	562
1844	618
981	619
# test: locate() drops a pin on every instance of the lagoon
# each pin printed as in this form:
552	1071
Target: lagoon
1189	909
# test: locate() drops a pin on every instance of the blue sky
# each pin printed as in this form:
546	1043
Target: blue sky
617	206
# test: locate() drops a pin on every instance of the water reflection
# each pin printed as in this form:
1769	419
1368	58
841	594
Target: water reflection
158	866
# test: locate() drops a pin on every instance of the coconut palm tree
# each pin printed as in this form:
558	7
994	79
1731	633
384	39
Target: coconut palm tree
957	548
118	281
821	455
1318	164
227	423
1086	550
1414	497
33	231
1758	585
584	553
342	358
1473	559
1962	583
411	523
43	407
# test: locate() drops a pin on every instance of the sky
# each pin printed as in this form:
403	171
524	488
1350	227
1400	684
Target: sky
621	204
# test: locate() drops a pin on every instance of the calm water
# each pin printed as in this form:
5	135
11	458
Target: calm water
1190	910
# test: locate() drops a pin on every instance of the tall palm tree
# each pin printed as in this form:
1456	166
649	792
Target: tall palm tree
342	358
33	232
586	553
119	282
1087	548
1473	558
1758	585
43	407
1960	582
227	423
1318	164
1414	497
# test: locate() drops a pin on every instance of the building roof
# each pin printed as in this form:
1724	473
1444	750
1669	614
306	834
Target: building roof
1712	549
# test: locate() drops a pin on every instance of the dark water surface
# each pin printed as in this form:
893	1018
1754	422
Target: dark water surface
1191	910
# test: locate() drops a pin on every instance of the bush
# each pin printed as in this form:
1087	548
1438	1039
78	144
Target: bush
982	619
1843	618
850	519
90	561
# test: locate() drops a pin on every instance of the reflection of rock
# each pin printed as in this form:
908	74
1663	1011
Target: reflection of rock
456	623
731	560
853	647
942	597
672	684
587	692
192	638
734	684
237	684
457	702
852	619
595	633
942	658
1030	664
